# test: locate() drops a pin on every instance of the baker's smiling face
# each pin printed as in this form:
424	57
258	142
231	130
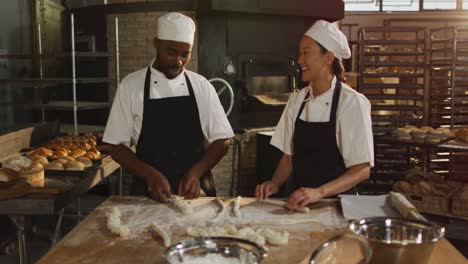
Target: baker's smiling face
313	60
172	56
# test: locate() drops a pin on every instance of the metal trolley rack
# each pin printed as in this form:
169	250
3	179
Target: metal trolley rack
392	69
448	92
42	82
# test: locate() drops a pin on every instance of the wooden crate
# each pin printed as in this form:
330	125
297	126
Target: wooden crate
460	202
434	204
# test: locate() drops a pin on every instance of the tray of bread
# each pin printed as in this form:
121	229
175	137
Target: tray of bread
428	192
424	134
68	156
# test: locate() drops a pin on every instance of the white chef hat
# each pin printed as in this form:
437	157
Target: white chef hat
330	37
176	27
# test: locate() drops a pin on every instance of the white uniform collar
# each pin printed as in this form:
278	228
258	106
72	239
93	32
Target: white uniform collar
324	98
161	76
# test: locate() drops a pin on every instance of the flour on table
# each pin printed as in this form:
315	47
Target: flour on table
114	225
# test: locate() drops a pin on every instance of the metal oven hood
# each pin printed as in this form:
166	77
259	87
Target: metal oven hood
330	10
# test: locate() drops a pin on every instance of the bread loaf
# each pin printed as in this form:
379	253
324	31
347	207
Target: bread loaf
54	166
403	187
423	188
74	165
85	161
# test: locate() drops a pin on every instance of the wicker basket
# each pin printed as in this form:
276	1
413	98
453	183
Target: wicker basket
434	204
460	202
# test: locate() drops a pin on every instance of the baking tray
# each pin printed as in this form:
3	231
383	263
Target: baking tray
77	173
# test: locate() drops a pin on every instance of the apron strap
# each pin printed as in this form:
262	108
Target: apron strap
336	99
302	106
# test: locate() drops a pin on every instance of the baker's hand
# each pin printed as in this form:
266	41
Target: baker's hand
189	185
158	187
304	196
264	190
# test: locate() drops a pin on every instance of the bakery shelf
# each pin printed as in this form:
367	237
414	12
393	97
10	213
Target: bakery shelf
392	63
390	86
394	97
68	105
53	81
391	74
393	53
73	81
58	55
401	59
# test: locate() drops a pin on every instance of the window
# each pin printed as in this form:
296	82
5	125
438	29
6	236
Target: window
362	5
403	5
400	5
465	5
440	4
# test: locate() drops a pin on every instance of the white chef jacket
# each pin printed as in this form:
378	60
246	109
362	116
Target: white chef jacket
126	116
354	125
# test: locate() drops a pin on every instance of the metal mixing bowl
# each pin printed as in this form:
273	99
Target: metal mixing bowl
232	249
398	240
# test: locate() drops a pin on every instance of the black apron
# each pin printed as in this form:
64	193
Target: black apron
171	138
317	158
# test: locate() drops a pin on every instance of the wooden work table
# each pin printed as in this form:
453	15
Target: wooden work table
92	242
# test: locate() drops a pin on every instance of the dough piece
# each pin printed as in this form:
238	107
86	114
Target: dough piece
165	237
305	210
274	237
114	225
236	209
182	205
249	234
74	165
223	209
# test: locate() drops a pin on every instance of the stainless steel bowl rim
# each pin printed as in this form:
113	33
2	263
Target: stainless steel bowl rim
201	242
440	230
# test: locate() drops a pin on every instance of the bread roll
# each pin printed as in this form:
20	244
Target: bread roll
34	173
41	159
423	188
462	134
414	178
77	153
426	128
418	133
432	139
85	161
61	160
403	187
85	146
74	165
7	175
91	142
54	166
